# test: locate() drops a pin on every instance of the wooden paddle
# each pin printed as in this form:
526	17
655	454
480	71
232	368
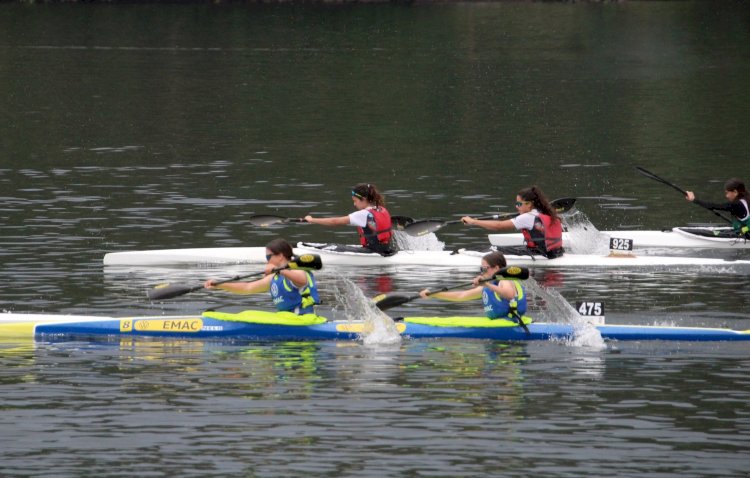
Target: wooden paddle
653	176
420	228
388	301
168	291
265	220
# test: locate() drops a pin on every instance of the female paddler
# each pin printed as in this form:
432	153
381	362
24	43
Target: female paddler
502	299
737	205
292	290
372	219
537	220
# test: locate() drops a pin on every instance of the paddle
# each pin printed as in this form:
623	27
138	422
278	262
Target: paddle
168	291
653	176
420	228
388	301
265	220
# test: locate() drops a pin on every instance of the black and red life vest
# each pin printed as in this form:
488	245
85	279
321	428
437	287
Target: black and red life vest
378	234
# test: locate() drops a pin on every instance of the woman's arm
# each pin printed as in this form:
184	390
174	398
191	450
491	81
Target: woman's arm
490	224
455	295
505	288
254	287
328	221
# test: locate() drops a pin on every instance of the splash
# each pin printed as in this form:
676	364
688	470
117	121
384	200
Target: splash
557	309
584	237
379	329
428	242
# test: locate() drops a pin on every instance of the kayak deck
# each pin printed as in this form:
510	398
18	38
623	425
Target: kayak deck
61	327
677	238
462	258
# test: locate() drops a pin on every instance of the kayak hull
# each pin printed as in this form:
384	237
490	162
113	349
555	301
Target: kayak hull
63	327
459	259
677	238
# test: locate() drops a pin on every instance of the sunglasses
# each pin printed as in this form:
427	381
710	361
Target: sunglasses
521	203
269	256
358	196
484	269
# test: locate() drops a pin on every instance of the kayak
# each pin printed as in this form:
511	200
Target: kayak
263	325
677	237
331	255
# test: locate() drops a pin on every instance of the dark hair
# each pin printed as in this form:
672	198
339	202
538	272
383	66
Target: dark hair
280	246
535	195
495	258
370	193
735	184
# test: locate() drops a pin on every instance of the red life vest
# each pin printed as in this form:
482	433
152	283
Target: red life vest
378	233
546	235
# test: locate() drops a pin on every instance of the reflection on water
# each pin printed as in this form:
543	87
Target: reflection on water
283	407
147	127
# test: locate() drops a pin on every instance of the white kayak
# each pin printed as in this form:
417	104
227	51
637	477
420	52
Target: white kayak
678	237
462	258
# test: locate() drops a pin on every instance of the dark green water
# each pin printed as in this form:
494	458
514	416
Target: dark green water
164	126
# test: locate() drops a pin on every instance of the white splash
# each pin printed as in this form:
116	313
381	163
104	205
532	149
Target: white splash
379	329
557	309
428	242
585	238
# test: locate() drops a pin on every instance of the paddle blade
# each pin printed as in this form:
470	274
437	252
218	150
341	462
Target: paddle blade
400	222
168	291
265	220
513	272
388	301
563	205
426	226
306	261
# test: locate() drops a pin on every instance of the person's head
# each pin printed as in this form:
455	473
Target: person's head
365	194
278	252
492	263
734	189
533	198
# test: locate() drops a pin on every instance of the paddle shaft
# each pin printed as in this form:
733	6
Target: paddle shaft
385	302
653	176
420	228
177	290
305	261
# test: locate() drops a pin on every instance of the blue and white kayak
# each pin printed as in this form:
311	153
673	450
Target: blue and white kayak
262	325
701	237
463	258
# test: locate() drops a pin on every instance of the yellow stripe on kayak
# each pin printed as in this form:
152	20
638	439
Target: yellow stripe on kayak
465	321
269	318
19	329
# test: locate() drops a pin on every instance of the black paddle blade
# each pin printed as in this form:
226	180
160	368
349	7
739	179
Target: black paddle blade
400	222
425	226
168	291
388	301
563	205
513	272
306	261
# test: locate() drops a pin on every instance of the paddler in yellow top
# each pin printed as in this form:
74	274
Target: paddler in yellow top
292	290
501	298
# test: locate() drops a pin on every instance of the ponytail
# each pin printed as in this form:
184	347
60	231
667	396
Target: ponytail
535	195
370	193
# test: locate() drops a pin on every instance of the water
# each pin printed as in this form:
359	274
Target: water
144	127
